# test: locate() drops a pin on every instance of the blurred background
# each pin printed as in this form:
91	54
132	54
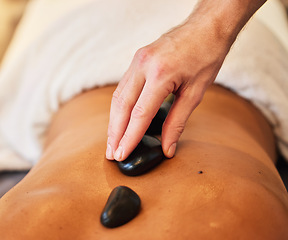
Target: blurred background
10	14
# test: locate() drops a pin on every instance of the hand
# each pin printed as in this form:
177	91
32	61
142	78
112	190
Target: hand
184	62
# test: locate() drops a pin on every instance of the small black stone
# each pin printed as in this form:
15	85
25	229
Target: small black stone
155	127
147	155
122	206
200	172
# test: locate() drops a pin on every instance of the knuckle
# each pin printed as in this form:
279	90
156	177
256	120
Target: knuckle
164	76
115	96
143	54
171	87
197	99
111	133
160	68
138	112
179	128
164	85
194	94
119	101
159	72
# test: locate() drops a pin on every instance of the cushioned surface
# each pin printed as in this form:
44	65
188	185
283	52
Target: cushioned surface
10	14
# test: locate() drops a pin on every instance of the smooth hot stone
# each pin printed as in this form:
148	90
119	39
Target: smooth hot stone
155	127
122	206
147	155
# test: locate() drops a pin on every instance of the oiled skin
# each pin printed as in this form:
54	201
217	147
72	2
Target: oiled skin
239	195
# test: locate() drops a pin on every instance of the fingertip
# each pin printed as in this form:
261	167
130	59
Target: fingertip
118	156
109	152
171	151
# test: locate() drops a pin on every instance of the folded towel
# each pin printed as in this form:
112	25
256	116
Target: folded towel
91	43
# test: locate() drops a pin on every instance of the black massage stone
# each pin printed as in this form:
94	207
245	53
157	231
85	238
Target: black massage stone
155	127
122	206
147	155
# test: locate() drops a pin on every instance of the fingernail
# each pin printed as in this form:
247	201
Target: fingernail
109	153
118	153
171	150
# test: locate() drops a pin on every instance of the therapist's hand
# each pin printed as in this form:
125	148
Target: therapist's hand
183	62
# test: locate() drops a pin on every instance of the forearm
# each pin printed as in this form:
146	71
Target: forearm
225	18
211	29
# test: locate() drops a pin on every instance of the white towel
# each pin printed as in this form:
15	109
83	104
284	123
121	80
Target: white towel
76	45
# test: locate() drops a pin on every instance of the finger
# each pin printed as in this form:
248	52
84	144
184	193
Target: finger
142	114
117	92
180	111
121	107
131	71
124	79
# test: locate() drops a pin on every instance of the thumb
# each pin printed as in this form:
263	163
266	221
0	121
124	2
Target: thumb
175	122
